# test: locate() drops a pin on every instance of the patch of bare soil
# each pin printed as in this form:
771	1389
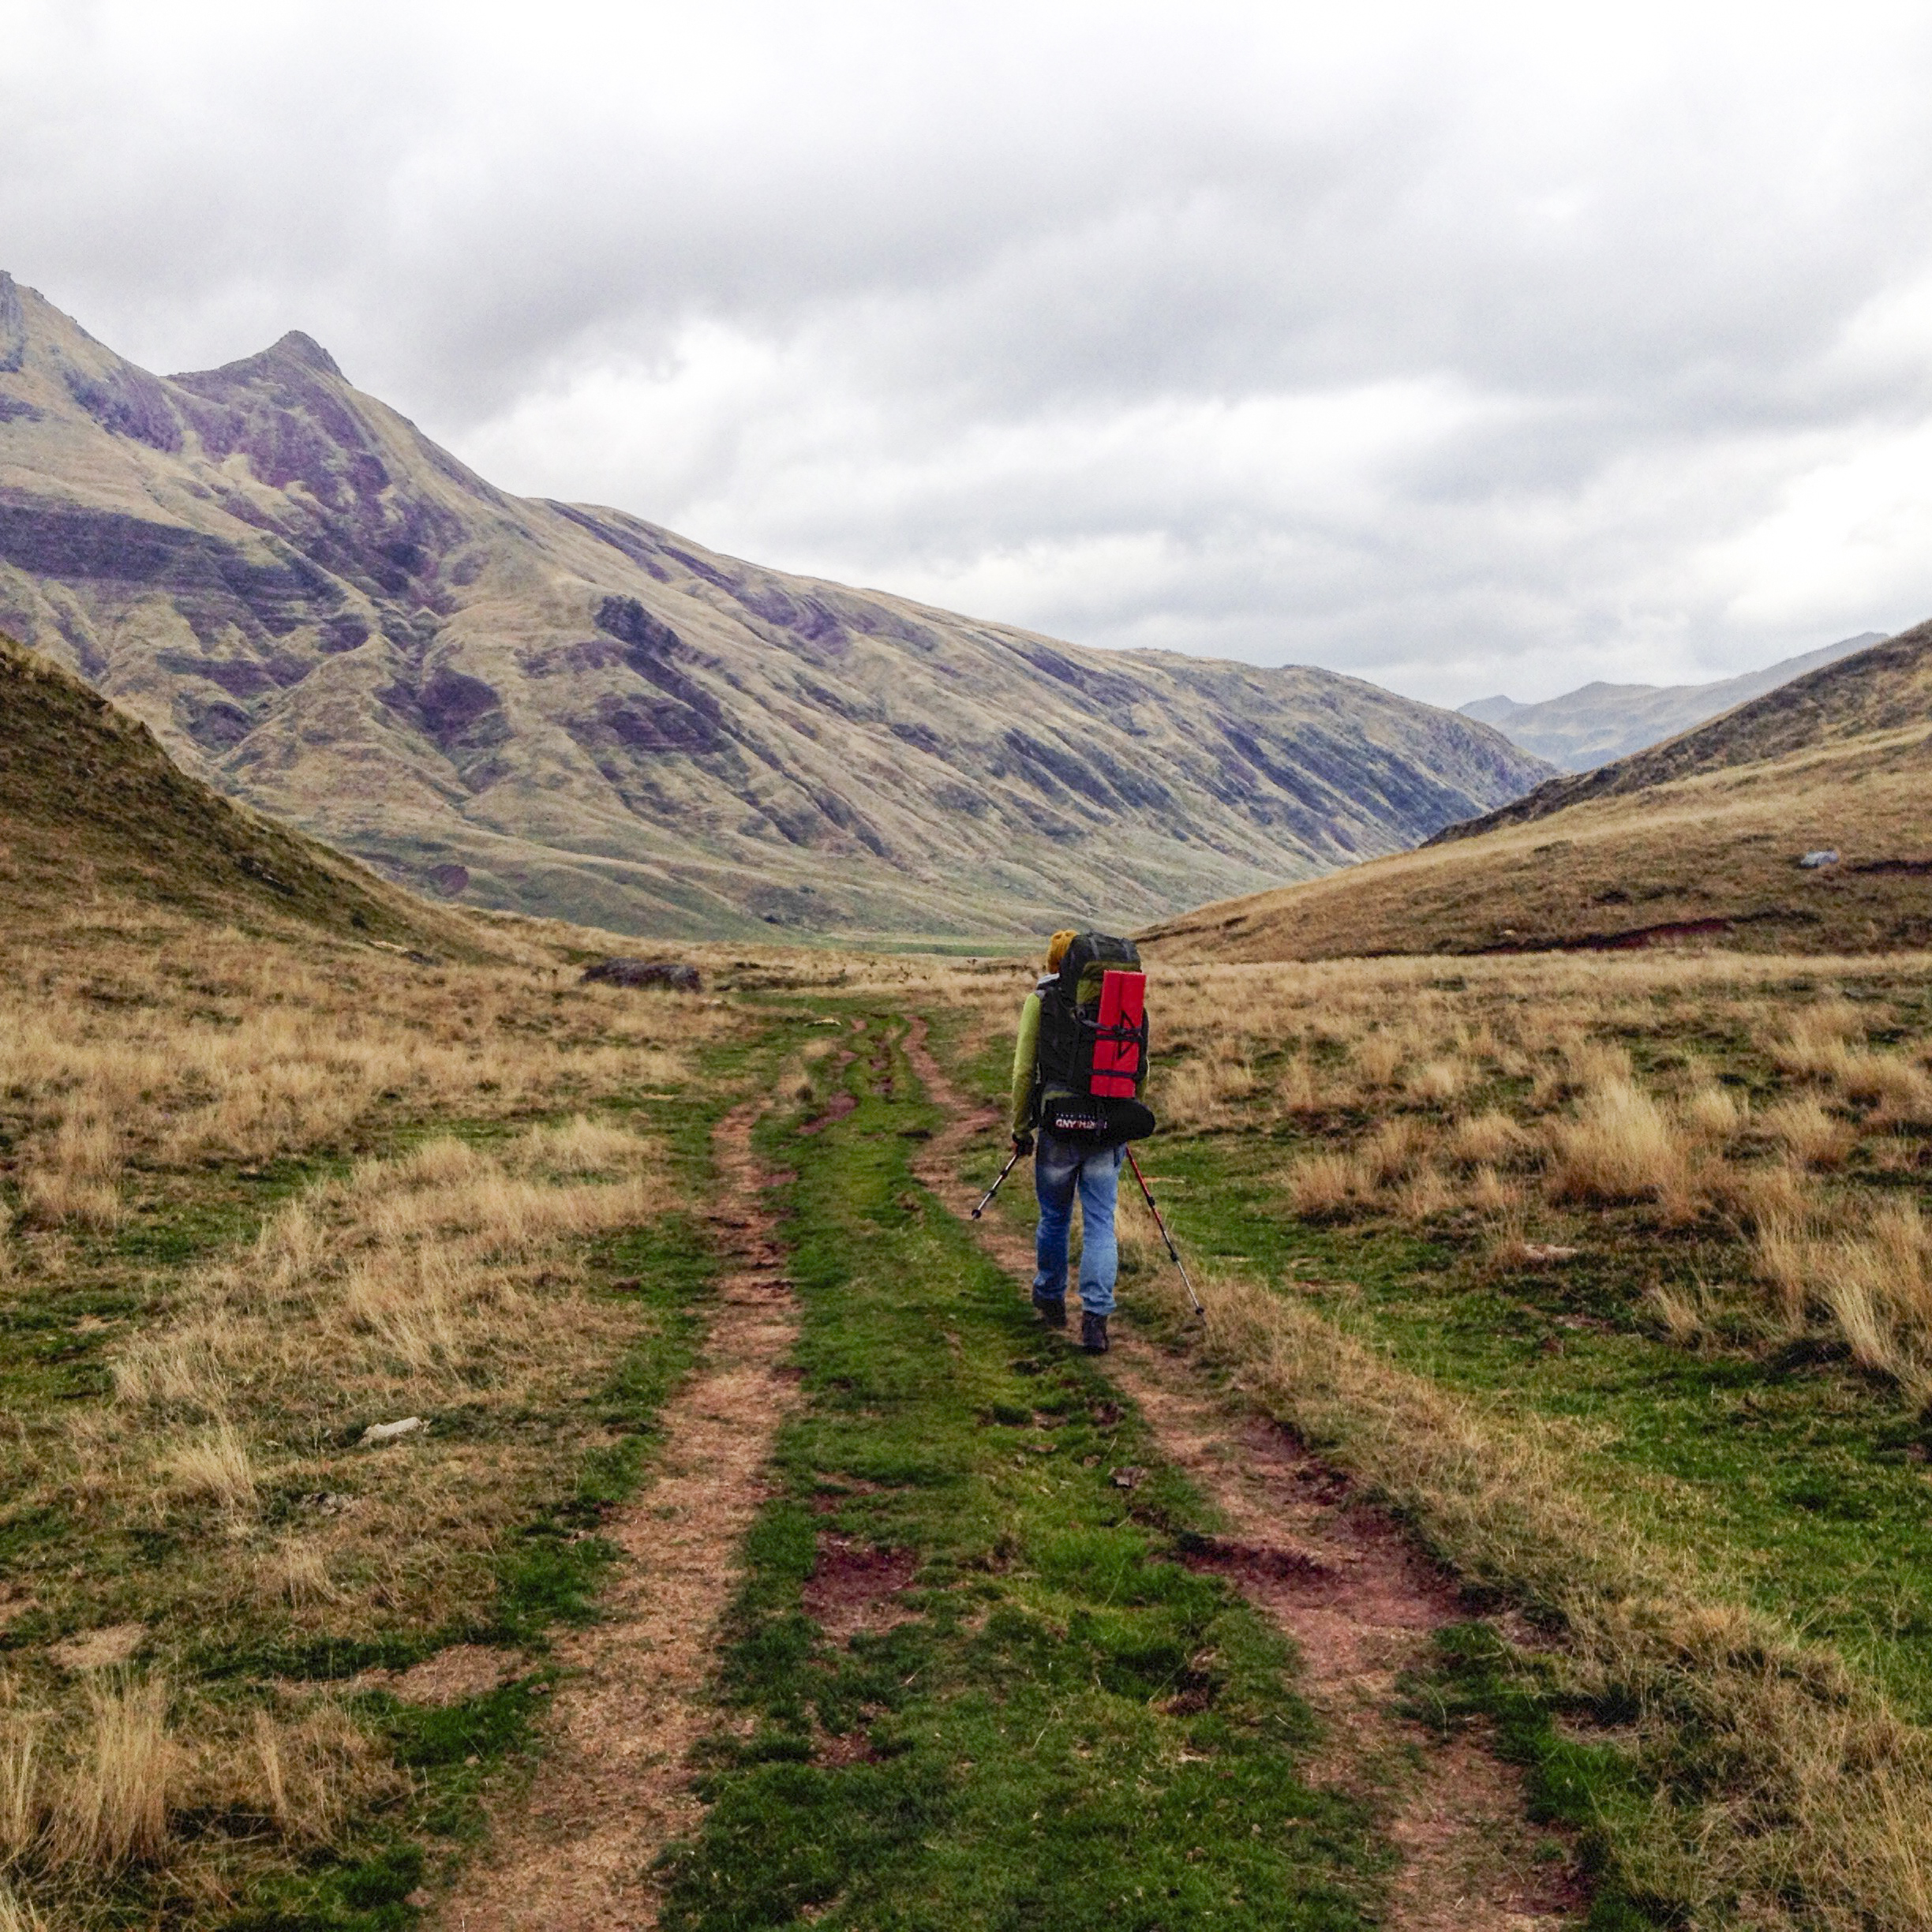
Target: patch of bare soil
1341	1580
855	1587
841	1103
613	1791
836	1108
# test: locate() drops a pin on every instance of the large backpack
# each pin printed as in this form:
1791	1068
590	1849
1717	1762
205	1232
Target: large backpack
1093	1045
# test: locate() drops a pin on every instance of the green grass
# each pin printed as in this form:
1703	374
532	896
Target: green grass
1518	1706
1800	1483
1072	1729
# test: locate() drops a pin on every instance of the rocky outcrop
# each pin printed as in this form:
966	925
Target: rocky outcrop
636	972
565	710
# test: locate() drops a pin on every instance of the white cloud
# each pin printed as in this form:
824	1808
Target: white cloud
1486	347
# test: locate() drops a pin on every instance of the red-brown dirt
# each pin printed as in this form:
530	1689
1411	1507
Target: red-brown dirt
855	1587
613	1791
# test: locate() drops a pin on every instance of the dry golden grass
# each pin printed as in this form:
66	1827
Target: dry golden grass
17	1913
128	1057
437	1275
1813	1137
141	1060
1621	1146
1870	1282
1531	1091
112	1807
85	1796
20	1755
214	1465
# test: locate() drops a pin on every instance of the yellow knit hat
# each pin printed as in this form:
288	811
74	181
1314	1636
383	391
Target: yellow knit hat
1057	947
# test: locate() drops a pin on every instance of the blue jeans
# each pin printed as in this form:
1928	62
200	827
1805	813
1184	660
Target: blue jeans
1060	1169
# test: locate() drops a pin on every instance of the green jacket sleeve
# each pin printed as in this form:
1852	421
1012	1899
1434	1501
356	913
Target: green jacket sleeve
1025	1049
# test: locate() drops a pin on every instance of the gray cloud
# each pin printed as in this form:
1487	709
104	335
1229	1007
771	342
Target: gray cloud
1465	349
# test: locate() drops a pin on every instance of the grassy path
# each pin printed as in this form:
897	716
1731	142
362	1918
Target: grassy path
1018	1645
967	1684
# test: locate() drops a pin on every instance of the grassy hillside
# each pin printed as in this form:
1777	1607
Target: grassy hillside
1697	839
93	812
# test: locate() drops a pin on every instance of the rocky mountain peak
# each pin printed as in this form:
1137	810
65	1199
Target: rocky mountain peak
298	347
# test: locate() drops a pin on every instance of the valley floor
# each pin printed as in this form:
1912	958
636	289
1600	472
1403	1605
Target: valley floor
1532	1535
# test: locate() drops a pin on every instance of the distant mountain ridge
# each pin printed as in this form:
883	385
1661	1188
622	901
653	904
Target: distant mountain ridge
1703	839
1596	723
1883	689
566	709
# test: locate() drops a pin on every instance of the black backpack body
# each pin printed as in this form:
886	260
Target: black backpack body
1072	1099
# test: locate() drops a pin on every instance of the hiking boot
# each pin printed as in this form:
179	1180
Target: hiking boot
1052	1308
1093	1333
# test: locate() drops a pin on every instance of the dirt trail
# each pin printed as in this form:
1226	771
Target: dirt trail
1343	1582
613	1791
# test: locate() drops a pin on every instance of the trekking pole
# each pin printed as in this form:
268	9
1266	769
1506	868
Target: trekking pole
1173	1251
987	1197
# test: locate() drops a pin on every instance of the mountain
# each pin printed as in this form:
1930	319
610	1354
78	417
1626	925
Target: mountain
1700	839
94	814
1598	723
568	710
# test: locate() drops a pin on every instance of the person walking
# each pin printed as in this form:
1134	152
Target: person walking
1061	1170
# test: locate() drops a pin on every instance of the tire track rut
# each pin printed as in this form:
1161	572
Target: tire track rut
613	1791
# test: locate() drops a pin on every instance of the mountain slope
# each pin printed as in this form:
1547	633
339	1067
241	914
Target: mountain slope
93	811
1698	839
1598	723
570	710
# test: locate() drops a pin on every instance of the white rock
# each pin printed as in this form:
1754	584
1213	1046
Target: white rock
388	1432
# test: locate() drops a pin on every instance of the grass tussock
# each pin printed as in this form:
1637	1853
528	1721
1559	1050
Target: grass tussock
112	1807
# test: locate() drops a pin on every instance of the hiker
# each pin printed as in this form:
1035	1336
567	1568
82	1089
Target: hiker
1082	1139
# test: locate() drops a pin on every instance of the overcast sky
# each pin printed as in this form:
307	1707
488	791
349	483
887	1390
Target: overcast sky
1465	348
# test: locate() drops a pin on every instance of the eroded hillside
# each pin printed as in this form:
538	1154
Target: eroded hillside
563	709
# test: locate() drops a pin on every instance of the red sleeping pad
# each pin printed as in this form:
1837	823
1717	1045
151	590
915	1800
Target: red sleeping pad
1117	1060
